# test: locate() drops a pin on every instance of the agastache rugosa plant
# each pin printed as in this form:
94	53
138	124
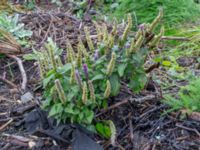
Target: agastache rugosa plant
92	75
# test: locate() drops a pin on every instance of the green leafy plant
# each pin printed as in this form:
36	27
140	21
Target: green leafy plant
188	98
12	25
76	89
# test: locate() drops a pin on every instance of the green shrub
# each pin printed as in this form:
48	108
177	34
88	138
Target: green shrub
75	90
176	11
189	98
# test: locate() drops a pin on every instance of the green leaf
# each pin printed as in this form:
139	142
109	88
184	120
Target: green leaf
121	69
30	57
67	67
69	109
98	77
89	115
103	130
157	59
115	84
166	63
48	79
138	81
56	109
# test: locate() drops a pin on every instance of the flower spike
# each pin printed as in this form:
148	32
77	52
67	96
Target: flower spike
89	40
84	94
60	91
91	89
108	89
111	64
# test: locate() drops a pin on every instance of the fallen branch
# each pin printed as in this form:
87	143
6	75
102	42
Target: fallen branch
125	101
189	129
175	38
23	73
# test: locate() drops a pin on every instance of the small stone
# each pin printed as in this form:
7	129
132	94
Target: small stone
31	144
26	97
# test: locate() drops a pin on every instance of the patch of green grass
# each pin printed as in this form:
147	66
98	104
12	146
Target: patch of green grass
187	48
175	11
189	98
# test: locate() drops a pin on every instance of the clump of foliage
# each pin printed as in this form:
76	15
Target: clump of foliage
190	47
76	89
11	25
176	11
189	98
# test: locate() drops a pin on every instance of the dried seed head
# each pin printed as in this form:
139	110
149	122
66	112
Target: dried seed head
105	32
98	29
111	41
72	77
58	62
114	29
127	29
130	20
156	20
82	48
89	40
51	54
157	38
91	89
111	64
132	47
60	91
70	52
108	89
138	43
138	34
41	69
79	58
46	61
84	94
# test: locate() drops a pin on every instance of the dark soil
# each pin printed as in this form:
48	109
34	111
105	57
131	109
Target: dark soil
140	126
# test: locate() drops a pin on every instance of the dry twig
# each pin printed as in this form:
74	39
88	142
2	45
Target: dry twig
23	73
125	101
6	124
175	38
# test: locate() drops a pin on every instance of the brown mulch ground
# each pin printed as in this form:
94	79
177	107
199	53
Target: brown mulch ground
140	126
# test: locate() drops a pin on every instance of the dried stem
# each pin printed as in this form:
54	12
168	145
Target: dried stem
21	68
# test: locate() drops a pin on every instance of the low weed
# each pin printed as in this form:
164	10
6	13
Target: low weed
12	25
188	98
